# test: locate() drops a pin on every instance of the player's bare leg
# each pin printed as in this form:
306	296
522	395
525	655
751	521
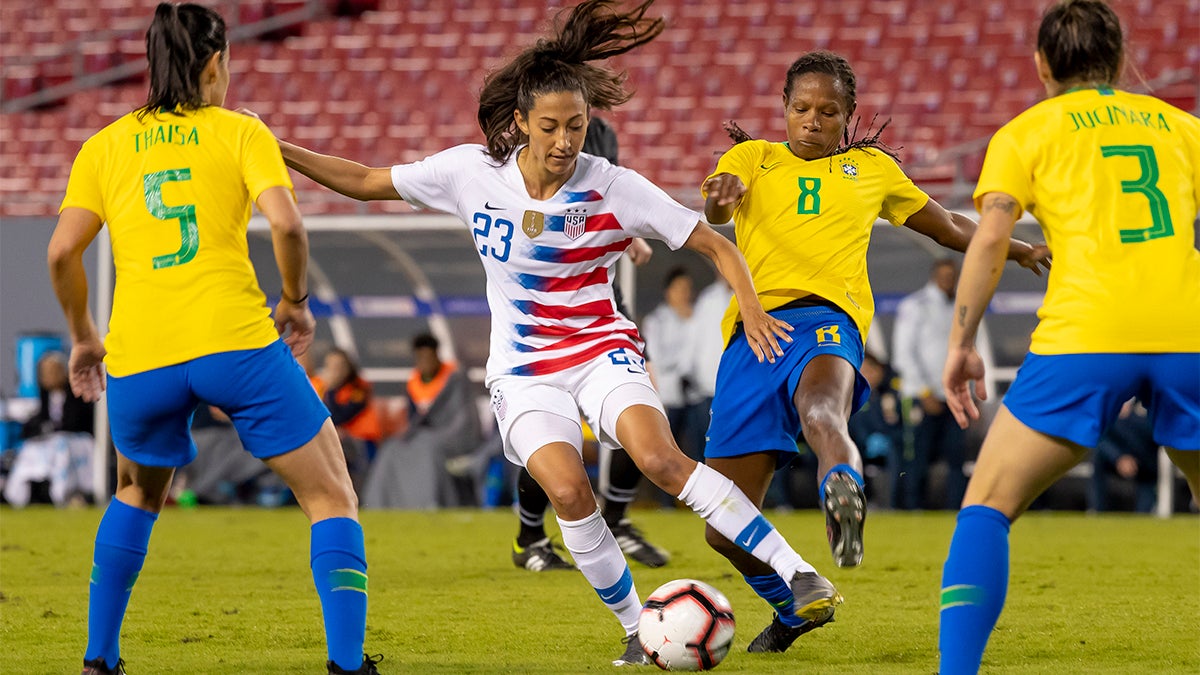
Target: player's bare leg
823	401
1188	462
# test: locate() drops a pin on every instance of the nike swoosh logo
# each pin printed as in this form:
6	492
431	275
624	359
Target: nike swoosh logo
749	538
489	207
764	167
610	598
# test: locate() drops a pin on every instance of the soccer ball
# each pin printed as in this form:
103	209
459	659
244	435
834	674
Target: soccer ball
686	625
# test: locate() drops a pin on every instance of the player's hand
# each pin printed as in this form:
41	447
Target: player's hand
248	113
726	188
639	251
1033	257
86	369
764	332
295	324
963	364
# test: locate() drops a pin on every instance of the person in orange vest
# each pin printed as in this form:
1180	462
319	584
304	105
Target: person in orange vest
351	405
443	423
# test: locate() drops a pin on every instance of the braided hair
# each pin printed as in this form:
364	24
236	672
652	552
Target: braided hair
838	67
593	31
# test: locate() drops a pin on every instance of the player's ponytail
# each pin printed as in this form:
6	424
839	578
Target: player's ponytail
593	31
1081	42
180	41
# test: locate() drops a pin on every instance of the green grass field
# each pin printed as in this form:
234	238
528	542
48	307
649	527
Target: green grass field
229	591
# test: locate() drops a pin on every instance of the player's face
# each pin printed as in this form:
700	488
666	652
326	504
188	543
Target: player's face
816	115
556	126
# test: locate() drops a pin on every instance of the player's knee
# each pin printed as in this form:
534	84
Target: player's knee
667	468
822	420
572	500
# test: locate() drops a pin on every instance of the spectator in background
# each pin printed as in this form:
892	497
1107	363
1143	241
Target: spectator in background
410	471
222	466
57	447
1127	450
876	428
668	331
707	346
350	401
930	433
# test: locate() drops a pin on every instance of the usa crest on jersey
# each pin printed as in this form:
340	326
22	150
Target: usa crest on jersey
574	225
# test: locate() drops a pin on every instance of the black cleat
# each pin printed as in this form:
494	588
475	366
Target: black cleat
634	654
816	598
845	511
367	667
539	556
97	666
634	545
777	636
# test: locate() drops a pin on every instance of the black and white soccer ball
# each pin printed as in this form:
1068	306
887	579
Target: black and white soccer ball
686	625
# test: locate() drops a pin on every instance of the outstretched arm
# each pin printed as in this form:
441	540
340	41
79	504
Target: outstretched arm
763	331
954	231
724	192
981	270
350	178
76	229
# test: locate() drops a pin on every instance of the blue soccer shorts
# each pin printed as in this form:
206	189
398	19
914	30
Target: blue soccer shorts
264	391
1077	396
752	409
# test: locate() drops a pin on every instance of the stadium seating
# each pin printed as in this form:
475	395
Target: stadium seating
399	82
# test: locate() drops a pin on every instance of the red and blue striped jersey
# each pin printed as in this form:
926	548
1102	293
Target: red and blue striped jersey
548	262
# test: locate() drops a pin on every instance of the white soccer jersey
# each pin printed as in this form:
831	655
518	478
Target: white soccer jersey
547	262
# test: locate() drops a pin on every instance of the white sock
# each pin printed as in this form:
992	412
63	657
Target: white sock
598	556
720	503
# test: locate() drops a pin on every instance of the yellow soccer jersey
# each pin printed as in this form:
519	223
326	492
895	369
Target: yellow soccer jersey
175	191
804	225
1113	179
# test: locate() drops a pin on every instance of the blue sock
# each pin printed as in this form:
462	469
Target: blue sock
339	567
974	583
121	544
773	589
845	468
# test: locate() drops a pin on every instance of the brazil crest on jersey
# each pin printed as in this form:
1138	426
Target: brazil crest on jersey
804	225
1114	180
175	191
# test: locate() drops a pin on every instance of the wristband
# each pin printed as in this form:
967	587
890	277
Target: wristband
299	301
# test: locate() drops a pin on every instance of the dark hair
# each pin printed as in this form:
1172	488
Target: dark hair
1081	42
594	30
674	273
180	41
352	373
425	341
836	66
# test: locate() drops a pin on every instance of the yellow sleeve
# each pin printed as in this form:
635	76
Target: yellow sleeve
1003	171
739	160
83	186
903	197
262	163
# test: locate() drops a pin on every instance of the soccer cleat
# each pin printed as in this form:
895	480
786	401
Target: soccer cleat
539	556
634	654
778	636
815	597
634	545
97	666
367	667
845	511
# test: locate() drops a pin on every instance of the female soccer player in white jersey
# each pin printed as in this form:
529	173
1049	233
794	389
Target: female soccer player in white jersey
1114	180
548	223
174	181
